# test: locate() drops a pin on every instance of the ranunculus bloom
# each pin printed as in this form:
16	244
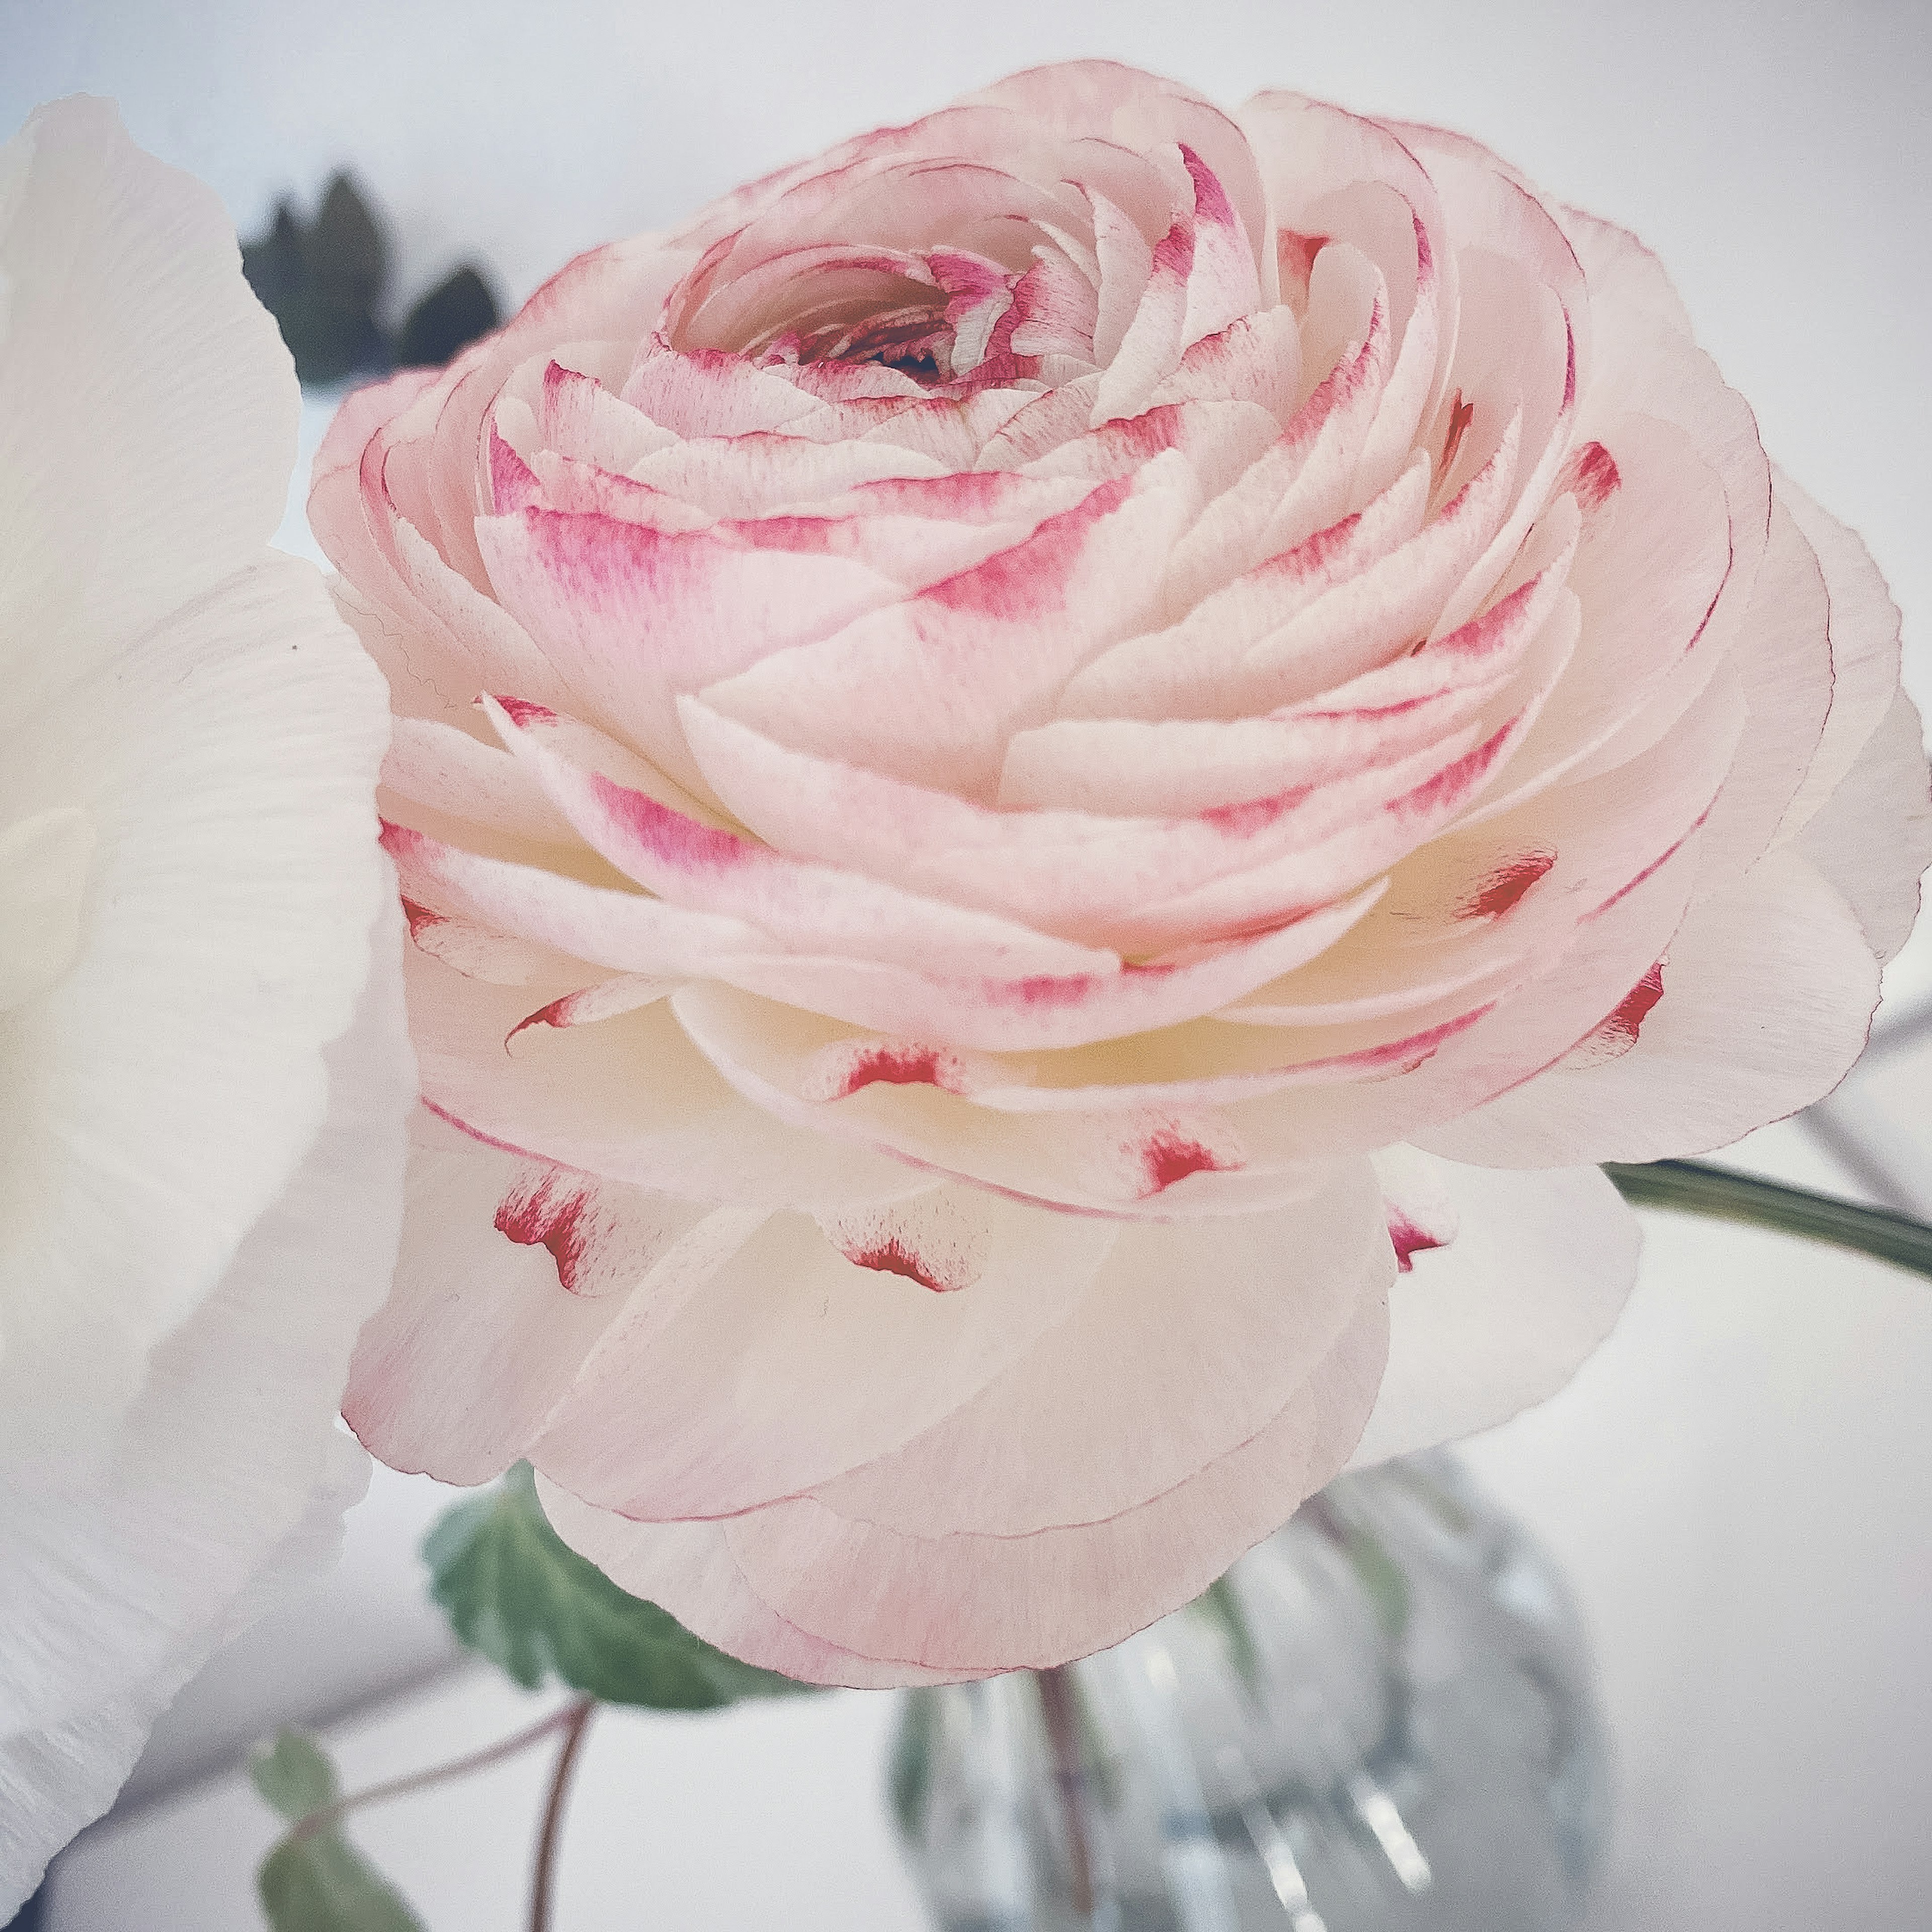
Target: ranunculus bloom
1054	776
203	1085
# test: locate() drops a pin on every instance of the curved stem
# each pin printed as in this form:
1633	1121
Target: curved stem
1692	1187
439	1774
550	1833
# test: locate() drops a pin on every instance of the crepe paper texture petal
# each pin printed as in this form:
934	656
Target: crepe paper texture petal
1035	754
205	1066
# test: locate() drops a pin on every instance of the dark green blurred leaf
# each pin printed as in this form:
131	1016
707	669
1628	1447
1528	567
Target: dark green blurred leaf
323	1884
321	283
274	265
450	317
909	1770
315	1880
513	1591
294	1775
347	261
329	339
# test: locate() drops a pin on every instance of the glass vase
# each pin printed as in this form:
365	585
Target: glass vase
1379	1721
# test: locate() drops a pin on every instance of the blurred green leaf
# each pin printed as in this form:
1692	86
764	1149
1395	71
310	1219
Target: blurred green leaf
274	264
323	1884
1380	1577
315	1880
294	1775
343	249
513	1591
909	1769
1218	1605
321	283
449	318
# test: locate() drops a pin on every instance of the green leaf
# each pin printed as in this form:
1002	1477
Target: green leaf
294	1775
343	249
909	1767
322	1883
315	1880
513	1591
450	317
1694	1187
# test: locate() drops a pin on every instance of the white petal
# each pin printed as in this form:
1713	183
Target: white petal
1503	1314
126	1565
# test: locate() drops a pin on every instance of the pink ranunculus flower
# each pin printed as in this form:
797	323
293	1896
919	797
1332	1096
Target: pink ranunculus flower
1056	776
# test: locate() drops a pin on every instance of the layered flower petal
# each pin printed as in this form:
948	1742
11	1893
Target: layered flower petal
1069	675
201	1054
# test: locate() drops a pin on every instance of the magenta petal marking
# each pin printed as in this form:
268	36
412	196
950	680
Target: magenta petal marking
1502	888
1625	1025
1409	1241
547	1209
843	1069
522	712
939	1252
513	484
1168	1155
1592	476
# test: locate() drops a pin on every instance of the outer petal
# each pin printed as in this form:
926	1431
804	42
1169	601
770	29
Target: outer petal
129	479
1502	1315
1872	838
814	1348
510	1271
962	1604
158	1096
1768	993
224	1483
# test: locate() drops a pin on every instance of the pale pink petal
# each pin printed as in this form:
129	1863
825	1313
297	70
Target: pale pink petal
1767	991
631	616
1155	1153
812	1347
1194	667
1502	1315
967	1604
1335	176
1224	282
439	766
1057	1439
629	1099
804	907
930	689
1872	838
1787	683
1864	624
695	1559
510	1271
1121	882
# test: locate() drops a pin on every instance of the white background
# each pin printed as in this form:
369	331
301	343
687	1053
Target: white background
1741	1482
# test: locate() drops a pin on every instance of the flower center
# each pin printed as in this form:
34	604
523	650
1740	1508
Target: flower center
916	340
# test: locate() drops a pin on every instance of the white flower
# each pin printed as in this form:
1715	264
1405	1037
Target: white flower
202	1082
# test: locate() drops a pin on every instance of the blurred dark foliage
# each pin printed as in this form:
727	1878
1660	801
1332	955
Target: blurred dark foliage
323	282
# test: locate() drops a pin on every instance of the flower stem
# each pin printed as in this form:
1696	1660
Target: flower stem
1692	1187
551	1834
1063	1735
441	1773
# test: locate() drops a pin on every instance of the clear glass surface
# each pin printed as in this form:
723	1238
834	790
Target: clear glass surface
1380	1720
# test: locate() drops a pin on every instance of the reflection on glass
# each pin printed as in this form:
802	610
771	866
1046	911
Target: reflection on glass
1380	1720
